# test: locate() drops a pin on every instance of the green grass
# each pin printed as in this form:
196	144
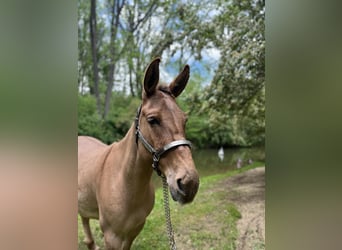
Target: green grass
207	223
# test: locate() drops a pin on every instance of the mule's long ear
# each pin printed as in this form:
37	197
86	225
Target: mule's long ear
179	83
151	77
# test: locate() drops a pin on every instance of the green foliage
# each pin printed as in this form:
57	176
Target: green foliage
229	111
89	122
235	100
118	122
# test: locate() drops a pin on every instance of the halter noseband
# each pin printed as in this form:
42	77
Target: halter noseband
156	154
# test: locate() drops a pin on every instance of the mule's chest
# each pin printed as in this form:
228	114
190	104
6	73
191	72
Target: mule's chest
127	215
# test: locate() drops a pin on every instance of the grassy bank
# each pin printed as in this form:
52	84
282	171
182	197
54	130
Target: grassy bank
207	223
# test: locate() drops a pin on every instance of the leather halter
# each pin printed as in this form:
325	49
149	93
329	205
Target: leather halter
156	154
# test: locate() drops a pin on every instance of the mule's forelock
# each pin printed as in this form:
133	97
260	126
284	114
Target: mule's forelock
165	89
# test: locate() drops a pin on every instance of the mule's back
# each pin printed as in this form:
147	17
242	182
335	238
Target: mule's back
90	153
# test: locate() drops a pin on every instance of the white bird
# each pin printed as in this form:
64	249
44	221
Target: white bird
239	163
221	153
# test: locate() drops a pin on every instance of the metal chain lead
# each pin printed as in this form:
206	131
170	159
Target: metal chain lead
172	243
156	154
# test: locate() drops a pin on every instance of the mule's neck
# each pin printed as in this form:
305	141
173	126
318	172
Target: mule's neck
138	162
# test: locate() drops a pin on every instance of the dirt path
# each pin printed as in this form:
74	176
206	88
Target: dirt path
247	192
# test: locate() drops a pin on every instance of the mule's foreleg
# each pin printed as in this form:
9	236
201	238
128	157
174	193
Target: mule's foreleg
115	242
88	238
112	242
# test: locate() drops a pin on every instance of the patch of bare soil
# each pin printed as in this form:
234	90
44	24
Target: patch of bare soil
247	192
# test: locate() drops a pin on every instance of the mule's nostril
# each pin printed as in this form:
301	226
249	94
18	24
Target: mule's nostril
180	186
179	183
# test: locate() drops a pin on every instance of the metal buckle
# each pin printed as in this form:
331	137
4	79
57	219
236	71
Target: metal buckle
155	164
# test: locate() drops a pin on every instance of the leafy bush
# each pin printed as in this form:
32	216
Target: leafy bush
120	117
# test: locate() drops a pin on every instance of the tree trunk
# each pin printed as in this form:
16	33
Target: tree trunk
138	78
93	41
131	78
115	11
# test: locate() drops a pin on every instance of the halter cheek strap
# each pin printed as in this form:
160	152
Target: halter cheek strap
156	154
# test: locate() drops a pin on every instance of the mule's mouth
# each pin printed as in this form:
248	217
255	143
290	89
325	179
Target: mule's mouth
183	185
178	196
181	196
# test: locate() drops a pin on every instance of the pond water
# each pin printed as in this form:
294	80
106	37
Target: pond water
208	163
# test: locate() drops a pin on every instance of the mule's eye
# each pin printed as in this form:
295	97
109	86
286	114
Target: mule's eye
153	121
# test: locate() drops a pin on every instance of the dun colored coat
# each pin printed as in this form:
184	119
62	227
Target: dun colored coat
114	182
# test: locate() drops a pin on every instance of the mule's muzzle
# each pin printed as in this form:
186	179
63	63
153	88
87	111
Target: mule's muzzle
185	189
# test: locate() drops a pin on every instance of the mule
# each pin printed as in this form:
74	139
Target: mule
114	181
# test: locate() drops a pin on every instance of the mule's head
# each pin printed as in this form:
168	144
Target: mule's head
163	122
